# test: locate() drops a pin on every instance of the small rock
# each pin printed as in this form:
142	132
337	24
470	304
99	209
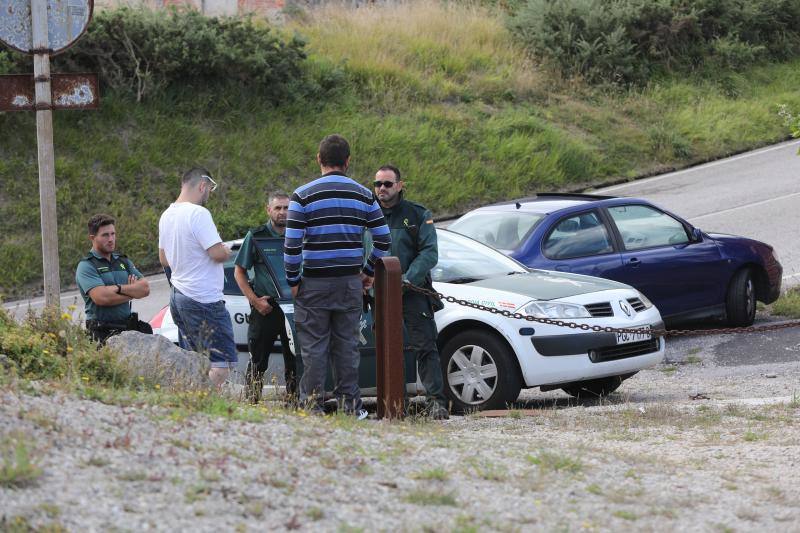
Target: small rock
770	375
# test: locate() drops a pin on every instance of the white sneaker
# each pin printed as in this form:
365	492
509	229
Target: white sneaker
361	414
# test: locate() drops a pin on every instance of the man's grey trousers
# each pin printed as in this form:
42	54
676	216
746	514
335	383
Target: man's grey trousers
327	312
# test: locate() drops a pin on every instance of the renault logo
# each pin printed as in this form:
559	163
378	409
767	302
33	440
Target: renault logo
626	308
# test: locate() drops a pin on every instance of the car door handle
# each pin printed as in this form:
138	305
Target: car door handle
634	262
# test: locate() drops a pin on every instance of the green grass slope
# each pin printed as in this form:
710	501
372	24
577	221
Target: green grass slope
441	90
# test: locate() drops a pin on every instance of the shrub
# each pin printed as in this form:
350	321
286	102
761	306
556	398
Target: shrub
142	51
626	41
51	346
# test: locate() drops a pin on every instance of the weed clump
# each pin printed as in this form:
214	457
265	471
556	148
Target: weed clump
52	347
17	470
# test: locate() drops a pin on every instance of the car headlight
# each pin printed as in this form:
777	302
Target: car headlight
646	301
554	310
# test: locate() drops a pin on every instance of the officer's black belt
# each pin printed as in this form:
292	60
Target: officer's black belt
96	324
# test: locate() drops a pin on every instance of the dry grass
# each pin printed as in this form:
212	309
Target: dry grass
426	48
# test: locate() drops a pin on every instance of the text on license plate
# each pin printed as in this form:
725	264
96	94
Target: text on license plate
625	338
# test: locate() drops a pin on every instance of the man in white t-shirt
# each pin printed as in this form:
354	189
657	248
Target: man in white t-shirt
189	245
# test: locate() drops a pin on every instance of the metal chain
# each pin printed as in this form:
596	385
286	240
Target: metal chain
603	329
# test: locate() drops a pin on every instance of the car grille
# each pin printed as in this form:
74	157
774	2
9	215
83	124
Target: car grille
637	304
622	351
600	309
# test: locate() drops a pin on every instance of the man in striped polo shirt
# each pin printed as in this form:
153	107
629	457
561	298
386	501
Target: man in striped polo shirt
324	229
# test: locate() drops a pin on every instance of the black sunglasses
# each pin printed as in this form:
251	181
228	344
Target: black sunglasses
387	184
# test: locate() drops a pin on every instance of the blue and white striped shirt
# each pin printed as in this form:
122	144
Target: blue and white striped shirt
324	229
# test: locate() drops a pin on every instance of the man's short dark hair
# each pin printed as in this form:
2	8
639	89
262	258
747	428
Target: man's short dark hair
194	175
275	195
392	168
98	221
334	151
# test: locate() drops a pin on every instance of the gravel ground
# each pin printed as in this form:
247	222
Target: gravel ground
691	445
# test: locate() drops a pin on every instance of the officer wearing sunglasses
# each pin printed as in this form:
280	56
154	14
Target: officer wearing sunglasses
414	244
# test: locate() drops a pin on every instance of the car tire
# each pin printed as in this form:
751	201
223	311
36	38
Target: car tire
740	302
479	371
594	388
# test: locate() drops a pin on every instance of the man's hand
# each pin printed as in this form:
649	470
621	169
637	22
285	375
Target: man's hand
295	288
262	305
366	281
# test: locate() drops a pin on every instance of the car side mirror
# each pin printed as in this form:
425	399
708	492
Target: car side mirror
697	235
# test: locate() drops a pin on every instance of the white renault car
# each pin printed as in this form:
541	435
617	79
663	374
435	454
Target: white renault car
487	358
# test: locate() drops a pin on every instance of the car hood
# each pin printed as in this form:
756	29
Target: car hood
727	238
547	285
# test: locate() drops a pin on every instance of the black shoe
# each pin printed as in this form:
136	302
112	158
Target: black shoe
439	412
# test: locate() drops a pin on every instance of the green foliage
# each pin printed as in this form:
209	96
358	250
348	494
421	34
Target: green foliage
6	63
626	41
556	462
51	346
141	52
788	304
791	120
16	468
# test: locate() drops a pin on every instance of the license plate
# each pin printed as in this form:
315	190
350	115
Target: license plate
626	338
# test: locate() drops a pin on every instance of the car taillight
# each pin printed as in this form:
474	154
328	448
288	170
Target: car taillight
156	321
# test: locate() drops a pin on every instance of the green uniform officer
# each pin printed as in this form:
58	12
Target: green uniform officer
108	282
266	322
414	244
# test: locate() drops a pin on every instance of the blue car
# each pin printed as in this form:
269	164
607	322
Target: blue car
687	273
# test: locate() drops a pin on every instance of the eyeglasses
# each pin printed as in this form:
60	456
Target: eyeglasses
386	184
212	182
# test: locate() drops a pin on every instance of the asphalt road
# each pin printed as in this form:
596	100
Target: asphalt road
755	194
146	307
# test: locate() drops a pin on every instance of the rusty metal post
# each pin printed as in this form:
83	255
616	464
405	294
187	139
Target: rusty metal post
388	315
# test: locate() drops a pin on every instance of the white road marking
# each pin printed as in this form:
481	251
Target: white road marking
700	167
762	202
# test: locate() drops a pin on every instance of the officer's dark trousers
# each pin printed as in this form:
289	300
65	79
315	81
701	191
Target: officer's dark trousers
262	332
419	339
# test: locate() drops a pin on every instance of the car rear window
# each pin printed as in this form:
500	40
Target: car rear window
504	231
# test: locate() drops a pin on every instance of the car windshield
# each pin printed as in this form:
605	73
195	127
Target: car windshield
504	231
462	260
230	286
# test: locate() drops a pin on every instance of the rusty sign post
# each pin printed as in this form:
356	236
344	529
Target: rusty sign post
42	28
389	337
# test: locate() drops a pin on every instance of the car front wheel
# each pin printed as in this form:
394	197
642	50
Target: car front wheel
740	302
479	372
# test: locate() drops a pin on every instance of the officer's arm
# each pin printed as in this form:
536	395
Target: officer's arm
92	284
427	253
240	275
106	295
140	288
